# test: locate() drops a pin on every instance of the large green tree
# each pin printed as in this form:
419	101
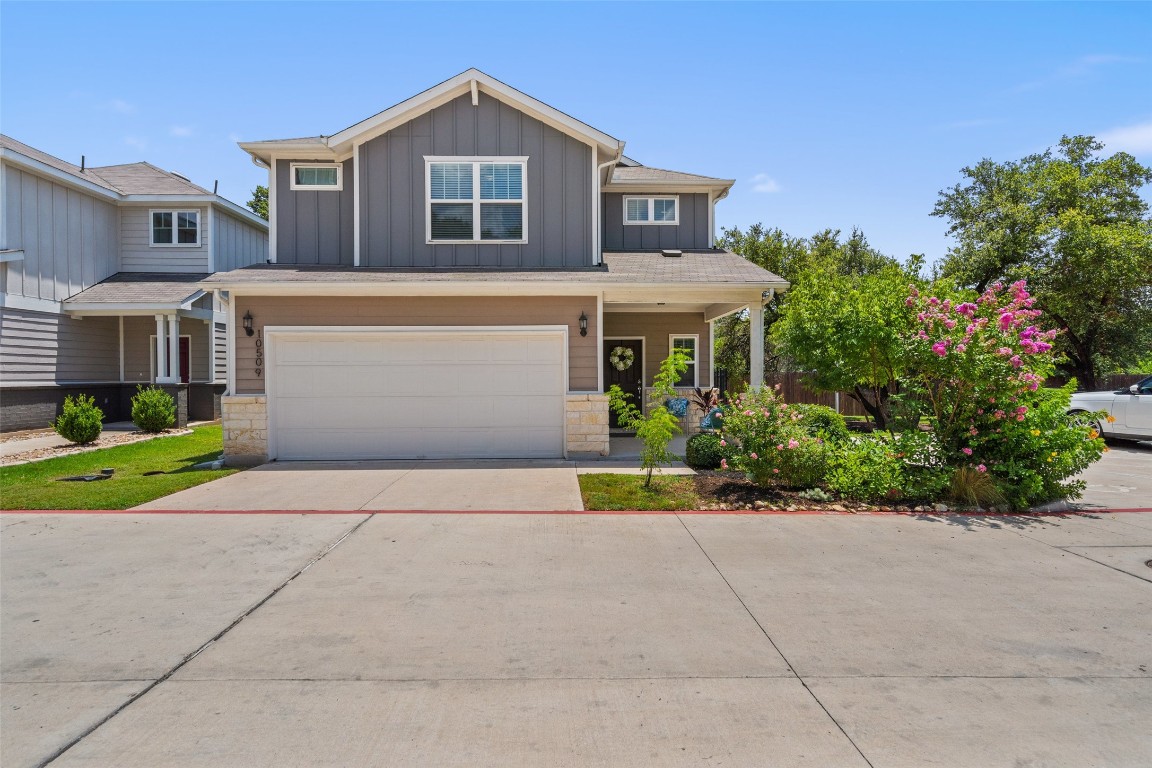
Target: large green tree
792	258
1072	223
259	202
851	332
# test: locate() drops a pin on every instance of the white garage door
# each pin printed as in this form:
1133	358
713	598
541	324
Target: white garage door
399	395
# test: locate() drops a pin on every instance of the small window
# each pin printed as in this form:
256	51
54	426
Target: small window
687	345
473	201
176	228
651	210
316	177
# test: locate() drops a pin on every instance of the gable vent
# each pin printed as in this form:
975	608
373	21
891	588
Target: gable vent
671	254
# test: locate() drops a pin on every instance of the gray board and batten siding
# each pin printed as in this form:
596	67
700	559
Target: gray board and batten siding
393	206
69	238
236	243
314	227
690	233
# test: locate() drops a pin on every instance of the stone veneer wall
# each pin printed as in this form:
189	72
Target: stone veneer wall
587	417
245	421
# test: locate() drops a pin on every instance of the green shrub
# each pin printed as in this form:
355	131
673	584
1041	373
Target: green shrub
81	420
704	451
823	422
769	442
888	467
657	428
153	409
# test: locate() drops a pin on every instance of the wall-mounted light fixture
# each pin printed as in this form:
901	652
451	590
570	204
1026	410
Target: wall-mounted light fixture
248	323
583	324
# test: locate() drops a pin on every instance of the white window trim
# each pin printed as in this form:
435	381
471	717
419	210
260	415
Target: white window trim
695	352
475	160
175	233
315	187
674	198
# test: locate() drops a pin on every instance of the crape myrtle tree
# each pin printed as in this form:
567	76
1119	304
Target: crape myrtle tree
1072	223
792	258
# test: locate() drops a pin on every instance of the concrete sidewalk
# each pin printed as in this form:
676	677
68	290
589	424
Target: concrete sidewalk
508	640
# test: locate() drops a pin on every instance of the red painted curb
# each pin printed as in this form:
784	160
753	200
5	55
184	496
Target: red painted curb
746	512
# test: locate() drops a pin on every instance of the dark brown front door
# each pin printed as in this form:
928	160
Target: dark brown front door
631	378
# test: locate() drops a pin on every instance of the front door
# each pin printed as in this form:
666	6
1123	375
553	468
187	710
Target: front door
624	370
185	360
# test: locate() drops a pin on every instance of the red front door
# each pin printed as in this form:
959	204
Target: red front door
185	360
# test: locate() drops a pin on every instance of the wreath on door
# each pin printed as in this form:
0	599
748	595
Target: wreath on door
622	358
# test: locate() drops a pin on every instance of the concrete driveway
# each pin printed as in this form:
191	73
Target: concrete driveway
580	640
387	485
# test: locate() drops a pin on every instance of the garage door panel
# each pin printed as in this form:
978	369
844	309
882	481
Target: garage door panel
408	395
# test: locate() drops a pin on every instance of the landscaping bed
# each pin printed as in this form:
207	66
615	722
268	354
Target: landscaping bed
713	490
106	440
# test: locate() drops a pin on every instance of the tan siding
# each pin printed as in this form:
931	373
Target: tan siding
39	347
68	237
655	327
139	340
463	311
137	255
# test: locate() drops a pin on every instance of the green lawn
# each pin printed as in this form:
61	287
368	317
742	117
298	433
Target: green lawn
35	485
615	492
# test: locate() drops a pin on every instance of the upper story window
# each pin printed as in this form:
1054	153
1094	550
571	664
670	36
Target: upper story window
687	345
473	200
176	228
313	176
651	210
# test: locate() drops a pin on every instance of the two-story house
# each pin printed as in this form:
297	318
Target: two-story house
99	273
464	275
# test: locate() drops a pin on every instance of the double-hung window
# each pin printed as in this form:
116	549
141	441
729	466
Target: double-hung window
475	200
175	228
651	210
688	345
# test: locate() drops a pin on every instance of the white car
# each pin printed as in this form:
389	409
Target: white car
1130	409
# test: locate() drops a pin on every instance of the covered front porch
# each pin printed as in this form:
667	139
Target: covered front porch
166	333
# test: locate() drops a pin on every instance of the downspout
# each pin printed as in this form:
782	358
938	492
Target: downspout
597	204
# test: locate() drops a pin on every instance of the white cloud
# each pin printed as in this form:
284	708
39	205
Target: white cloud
136	142
120	106
1077	68
180	131
1136	139
762	182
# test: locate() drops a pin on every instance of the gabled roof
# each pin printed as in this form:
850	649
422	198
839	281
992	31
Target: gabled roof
128	182
470	81
146	179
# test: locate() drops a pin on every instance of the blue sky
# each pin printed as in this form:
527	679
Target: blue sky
827	114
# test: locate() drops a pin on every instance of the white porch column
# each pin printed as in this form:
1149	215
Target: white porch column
756	345
174	348
161	350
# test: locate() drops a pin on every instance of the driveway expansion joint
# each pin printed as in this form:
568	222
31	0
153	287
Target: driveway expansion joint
179	665
764	631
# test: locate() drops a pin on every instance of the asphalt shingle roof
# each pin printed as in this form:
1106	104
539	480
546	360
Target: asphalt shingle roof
709	266
641	173
126	179
140	288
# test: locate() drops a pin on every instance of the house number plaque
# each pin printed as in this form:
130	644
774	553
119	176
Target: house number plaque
260	354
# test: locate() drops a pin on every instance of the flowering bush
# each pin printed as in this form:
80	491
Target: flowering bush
885	466
979	363
769	442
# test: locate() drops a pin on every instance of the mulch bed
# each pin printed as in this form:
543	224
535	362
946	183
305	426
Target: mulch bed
731	490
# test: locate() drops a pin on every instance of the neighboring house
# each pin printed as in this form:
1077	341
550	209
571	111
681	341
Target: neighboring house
99	273
452	276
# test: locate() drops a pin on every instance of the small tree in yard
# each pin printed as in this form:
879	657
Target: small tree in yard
656	429
153	409
81	420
